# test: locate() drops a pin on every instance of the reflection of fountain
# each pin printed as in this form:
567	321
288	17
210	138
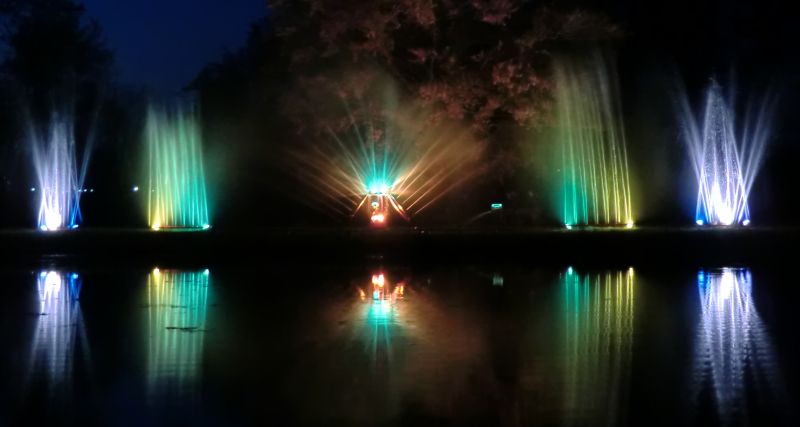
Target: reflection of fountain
383	297
733	346
60	177
594	160
597	346
60	333
725	164
176	195
176	324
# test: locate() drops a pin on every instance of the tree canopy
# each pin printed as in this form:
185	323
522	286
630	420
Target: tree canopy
480	61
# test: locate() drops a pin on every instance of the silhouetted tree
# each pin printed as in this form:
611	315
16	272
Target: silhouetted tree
52	51
481	61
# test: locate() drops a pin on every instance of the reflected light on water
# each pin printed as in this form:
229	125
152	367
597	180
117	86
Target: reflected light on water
60	336
176	316
381	313
597	348
733	346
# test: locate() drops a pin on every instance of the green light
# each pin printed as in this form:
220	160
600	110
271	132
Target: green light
496	206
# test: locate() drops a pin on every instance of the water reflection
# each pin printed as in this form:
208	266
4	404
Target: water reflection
381	311
176	317
733	348
598	320
59	339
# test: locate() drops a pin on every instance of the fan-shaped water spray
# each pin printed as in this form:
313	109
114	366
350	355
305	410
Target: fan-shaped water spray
387	159
595	181
176	197
725	159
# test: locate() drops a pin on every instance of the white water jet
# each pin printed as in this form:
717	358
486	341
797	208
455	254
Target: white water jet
60	177
726	160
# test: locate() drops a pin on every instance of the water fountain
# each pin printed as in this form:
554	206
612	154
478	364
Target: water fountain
726	160
387	160
176	197
595	177
60	177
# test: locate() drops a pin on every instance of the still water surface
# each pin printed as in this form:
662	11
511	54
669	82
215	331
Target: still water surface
381	344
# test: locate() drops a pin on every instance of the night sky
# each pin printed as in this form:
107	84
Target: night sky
161	45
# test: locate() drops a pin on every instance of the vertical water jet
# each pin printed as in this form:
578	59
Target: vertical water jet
594	175
60	178
176	197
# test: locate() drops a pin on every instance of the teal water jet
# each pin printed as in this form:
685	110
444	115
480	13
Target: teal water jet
176	197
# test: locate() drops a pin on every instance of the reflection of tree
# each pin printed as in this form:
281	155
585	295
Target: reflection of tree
60	336
177	304
597	347
733	348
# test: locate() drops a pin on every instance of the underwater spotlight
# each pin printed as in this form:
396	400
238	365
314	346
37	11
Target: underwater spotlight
206	226
378	188
52	220
569	226
378	218
746	222
629	224
699	222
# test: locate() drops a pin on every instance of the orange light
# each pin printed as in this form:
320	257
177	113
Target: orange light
361	294
378	280
378	218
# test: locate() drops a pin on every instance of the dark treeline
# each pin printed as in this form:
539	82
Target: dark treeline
484	64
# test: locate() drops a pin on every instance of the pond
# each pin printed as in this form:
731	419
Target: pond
379	343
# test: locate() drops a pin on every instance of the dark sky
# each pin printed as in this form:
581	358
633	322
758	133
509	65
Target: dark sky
162	44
